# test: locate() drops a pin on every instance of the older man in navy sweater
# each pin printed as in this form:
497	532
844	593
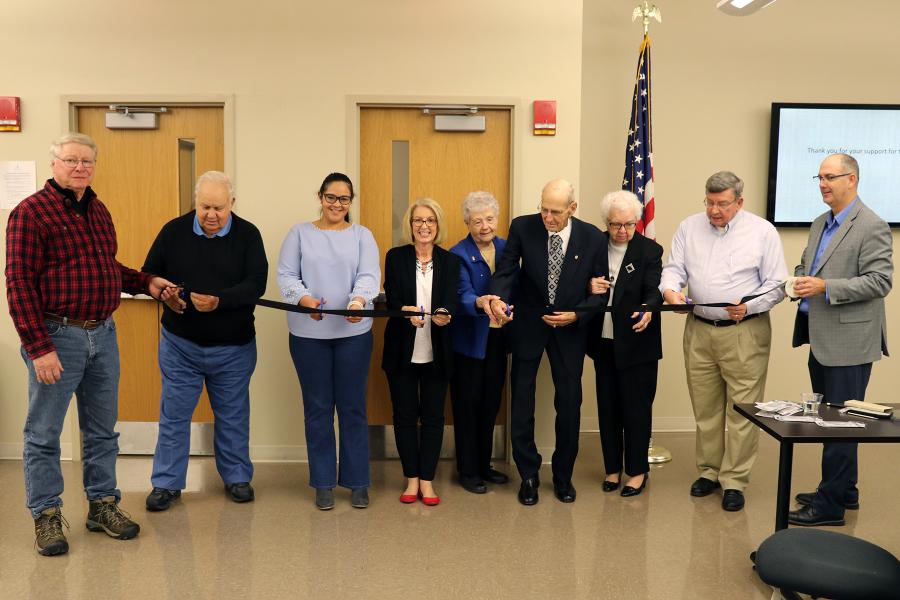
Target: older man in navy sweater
207	337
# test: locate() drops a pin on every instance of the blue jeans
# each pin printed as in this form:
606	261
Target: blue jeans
90	361
333	375
226	370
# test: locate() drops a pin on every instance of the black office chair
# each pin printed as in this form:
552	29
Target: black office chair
825	564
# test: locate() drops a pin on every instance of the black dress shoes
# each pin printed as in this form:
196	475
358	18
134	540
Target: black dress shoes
494	476
161	499
240	492
565	492
810	517
610	486
733	500
629	491
472	484
806	498
528	491
704	487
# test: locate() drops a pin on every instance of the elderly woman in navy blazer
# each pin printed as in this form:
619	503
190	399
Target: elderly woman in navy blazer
478	346
626	347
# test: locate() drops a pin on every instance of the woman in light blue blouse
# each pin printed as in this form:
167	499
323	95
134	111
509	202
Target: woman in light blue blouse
332	263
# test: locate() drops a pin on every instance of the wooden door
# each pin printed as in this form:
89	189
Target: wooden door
140	178
444	166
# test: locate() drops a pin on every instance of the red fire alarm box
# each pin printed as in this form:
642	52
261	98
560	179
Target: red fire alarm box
10	119
544	117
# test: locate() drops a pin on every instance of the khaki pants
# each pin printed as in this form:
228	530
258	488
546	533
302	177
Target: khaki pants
726	366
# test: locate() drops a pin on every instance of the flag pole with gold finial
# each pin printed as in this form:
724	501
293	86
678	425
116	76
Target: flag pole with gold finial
646	12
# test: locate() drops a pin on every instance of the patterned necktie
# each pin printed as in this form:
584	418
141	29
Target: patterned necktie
554	265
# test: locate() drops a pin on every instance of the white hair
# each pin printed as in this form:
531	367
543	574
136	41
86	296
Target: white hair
215	177
622	200
479	202
73	137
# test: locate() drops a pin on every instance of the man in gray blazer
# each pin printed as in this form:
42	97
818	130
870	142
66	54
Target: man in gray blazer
843	276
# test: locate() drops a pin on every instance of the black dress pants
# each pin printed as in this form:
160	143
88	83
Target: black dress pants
566	401
476	389
417	395
839	466
624	408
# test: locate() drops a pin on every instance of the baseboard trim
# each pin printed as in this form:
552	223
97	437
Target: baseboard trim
279	453
674	425
14	451
660	425
298	453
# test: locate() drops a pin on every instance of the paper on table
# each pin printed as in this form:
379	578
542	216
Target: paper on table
835	424
17	182
796	418
781	407
766	413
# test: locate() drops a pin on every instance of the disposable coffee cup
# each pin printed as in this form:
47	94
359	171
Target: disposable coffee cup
789	287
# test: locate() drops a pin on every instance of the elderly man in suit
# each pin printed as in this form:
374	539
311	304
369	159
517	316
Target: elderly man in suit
843	276
559	255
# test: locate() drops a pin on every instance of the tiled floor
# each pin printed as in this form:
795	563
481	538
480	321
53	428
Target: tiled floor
662	544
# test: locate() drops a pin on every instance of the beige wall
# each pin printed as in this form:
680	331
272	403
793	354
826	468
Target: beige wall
714	78
291	67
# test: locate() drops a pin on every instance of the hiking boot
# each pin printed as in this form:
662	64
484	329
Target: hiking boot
106	516
48	532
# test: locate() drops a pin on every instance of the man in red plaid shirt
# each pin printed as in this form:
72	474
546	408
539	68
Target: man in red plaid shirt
63	283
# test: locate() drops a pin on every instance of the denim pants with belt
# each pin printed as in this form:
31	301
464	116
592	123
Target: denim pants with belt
90	361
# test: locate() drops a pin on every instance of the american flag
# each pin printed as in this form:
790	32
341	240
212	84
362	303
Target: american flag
639	151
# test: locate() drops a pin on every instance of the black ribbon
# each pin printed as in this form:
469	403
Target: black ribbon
381	313
363	312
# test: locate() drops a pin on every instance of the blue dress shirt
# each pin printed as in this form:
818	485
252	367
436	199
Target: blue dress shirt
832	224
221	233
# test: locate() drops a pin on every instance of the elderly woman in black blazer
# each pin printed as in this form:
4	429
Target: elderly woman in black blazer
626	347
420	276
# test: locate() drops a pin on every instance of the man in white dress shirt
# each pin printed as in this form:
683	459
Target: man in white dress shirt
725	255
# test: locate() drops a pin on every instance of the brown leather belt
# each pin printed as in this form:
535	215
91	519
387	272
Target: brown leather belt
725	322
73	322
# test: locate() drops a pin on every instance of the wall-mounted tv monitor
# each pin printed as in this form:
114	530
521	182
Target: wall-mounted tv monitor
804	134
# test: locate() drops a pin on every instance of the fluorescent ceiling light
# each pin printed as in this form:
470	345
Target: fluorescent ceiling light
742	8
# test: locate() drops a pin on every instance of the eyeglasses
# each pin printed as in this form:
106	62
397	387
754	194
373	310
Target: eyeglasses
829	178
617	226
547	211
331	199
73	162
720	205
420	222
